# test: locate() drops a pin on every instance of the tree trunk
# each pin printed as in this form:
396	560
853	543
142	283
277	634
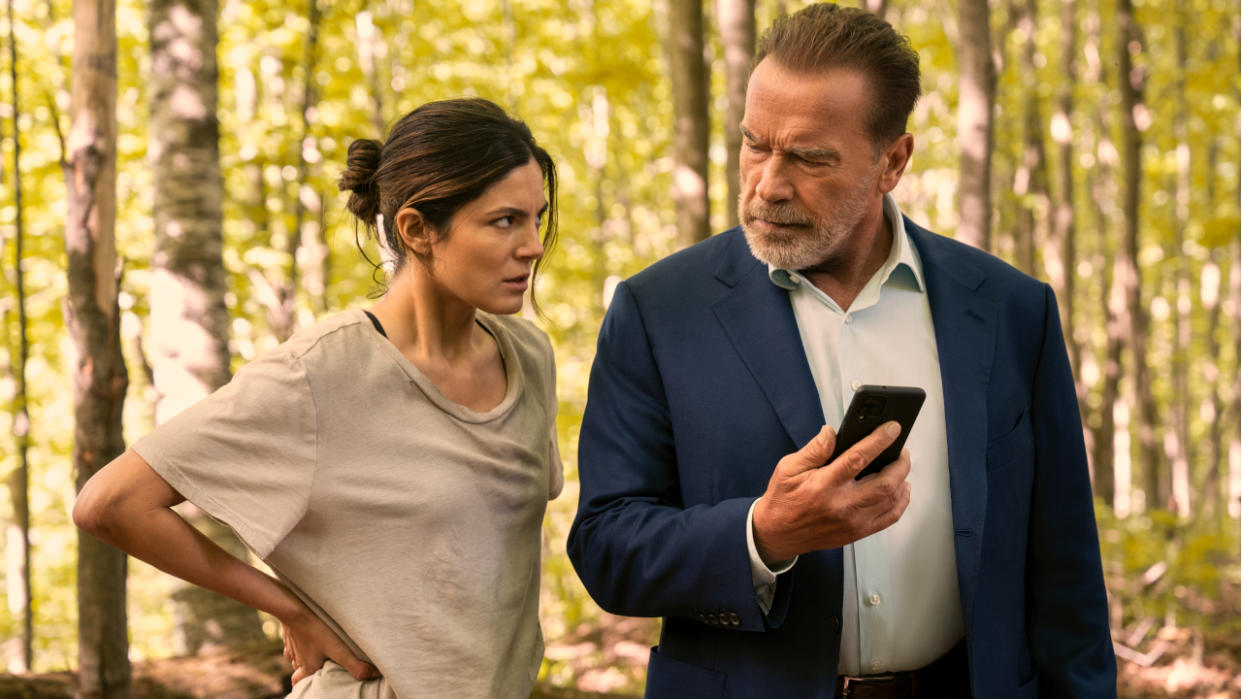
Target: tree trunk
92	318
1063	230
256	216
1233	398
1110	486
189	318
691	125
976	97
1213	406
737	32
1112	465
372	49
1177	446
1218	384
308	208
282	311
1031	181
1134	117
17	553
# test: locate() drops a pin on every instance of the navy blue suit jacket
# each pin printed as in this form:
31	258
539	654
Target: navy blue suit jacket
700	385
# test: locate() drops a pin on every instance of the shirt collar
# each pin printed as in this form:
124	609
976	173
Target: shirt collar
900	255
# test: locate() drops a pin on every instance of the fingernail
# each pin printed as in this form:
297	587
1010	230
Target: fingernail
893	428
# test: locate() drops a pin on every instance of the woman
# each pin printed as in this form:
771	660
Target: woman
392	466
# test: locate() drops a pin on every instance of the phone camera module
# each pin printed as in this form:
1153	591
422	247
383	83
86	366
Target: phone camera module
872	406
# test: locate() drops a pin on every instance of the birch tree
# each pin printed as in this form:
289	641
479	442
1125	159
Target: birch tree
92	317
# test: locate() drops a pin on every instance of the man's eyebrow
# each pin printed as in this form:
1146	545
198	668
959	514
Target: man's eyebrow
816	154
804	152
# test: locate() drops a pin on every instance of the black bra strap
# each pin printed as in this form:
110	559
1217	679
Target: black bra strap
376	323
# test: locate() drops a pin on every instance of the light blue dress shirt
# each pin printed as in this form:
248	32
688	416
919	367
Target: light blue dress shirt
901	607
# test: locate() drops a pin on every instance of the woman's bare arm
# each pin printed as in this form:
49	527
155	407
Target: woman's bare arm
128	505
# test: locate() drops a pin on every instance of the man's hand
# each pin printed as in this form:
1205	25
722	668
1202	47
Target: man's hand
309	641
811	506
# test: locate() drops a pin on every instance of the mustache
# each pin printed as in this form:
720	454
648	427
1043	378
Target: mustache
783	214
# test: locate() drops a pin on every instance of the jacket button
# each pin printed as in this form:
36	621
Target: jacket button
836	623
734	619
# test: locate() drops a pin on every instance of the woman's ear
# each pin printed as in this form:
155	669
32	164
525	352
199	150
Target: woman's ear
413	231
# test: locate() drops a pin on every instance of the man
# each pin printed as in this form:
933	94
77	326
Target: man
969	566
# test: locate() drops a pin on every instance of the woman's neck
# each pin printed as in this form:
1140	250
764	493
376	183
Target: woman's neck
422	323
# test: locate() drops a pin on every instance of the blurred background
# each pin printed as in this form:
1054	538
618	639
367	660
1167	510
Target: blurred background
1093	144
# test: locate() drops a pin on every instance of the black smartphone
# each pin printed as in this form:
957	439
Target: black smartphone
871	407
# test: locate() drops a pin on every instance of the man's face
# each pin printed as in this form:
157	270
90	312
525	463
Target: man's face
811	179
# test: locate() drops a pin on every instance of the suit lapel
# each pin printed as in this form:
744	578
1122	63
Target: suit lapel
965	325
757	317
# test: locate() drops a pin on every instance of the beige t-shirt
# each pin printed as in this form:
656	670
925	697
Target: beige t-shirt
408	522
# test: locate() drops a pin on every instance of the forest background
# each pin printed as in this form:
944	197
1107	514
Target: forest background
1092	144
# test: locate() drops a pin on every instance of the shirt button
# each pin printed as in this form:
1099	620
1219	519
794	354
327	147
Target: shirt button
855	384
875	665
873	600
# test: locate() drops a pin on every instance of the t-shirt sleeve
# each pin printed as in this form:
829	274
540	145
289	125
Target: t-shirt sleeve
245	454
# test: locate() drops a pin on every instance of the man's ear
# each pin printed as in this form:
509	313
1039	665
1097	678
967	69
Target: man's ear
414	231
895	159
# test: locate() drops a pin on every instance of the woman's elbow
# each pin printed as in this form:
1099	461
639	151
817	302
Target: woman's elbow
98	505
90	511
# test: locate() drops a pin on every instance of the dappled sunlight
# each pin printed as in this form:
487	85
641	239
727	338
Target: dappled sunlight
591	80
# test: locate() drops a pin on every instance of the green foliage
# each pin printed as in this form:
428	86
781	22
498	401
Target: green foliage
589	77
1171	572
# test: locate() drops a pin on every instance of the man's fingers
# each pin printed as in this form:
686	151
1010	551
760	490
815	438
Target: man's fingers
813	454
889	517
856	458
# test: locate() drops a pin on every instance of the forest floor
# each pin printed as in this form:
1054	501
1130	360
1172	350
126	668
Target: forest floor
1183	669
257	673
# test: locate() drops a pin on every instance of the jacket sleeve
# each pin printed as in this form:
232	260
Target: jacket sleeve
640	549
1067	607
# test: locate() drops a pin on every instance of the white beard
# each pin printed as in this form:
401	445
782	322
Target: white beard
798	249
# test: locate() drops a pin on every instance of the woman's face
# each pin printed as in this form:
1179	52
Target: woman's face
485	258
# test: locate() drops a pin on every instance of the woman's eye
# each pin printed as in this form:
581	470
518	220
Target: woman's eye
503	222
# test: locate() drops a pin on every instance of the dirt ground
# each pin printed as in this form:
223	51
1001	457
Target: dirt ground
261	673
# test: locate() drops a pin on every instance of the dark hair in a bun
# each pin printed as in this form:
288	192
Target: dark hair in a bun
437	159
359	178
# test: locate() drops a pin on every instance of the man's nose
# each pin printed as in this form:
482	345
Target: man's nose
774	183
